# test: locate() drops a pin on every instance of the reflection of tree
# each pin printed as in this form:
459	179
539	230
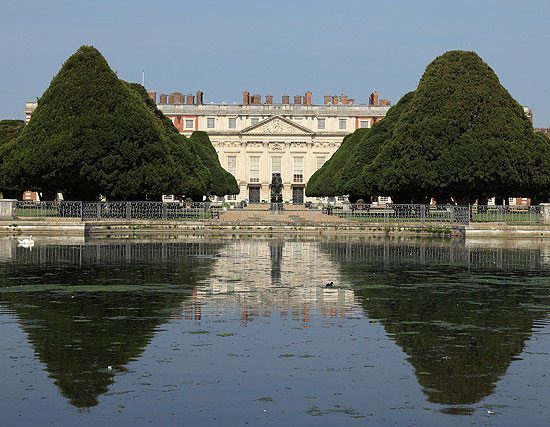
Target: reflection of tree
461	329
92	321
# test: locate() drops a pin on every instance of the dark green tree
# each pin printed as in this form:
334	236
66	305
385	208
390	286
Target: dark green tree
462	136
9	130
459	136
93	133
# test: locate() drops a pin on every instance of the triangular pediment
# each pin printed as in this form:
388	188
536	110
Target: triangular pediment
276	125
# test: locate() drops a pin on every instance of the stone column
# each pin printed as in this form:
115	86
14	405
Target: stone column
7	209
545	207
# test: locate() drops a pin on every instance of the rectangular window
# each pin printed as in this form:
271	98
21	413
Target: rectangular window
342	123
276	164
232	123
320	123
231	197
255	169
298	171
210	122
320	161
189	123
232	165
364	124
254	121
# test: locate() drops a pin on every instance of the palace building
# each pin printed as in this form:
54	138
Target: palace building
259	137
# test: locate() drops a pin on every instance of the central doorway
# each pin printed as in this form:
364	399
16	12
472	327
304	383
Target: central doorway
254	194
297	195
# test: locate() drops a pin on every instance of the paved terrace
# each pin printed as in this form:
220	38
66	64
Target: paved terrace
258	214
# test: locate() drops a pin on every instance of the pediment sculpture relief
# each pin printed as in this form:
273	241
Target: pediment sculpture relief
278	126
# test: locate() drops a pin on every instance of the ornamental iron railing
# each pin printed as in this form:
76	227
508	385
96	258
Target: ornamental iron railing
406	213
442	213
116	210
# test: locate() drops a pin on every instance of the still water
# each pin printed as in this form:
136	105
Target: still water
243	331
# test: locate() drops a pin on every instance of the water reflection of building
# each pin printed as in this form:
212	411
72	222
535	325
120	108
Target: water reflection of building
287	278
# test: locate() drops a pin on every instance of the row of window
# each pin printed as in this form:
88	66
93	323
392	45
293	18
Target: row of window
254	171
232	123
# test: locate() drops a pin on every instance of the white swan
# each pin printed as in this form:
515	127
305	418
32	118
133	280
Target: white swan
26	242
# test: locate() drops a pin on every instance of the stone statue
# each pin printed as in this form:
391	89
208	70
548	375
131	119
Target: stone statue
276	191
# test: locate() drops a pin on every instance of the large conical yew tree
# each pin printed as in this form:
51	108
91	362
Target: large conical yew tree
460	135
92	133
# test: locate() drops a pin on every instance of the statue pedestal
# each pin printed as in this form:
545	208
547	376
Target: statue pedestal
276	206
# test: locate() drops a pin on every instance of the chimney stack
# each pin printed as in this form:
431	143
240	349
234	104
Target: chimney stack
163	98
152	96
297	100
176	98
190	99
343	100
199	97
257	99
373	99
307	98
246	98
335	100
269	99
286	99
327	100
385	102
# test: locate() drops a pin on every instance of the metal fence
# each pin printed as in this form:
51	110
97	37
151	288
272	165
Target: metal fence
508	214
448	214
443	213
409	213
116	210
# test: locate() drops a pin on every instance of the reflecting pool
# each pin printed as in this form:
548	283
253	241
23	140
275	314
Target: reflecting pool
244	331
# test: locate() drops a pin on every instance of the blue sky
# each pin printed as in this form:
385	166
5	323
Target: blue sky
278	47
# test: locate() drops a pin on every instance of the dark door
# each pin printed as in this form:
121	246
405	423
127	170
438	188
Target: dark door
253	194
297	195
